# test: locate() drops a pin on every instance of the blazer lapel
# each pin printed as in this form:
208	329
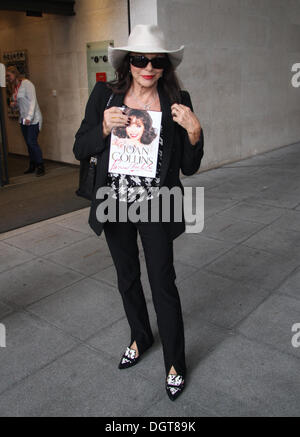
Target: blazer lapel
168	132
117	100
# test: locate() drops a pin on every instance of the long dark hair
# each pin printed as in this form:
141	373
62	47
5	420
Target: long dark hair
149	132
169	81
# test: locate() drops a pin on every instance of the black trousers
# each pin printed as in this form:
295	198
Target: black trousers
121	238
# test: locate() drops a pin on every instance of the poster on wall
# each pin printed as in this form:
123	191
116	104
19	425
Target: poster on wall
134	148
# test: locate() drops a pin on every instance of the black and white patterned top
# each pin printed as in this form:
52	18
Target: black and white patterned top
122	183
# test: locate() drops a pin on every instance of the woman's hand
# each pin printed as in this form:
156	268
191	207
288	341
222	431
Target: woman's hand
185	117
113	117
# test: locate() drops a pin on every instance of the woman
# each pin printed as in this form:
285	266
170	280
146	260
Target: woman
23	97
145	80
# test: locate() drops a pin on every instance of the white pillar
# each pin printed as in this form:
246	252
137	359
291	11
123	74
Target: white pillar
2	76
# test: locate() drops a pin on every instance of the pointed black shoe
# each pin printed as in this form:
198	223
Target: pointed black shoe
40	170
128	359
174	386
31	168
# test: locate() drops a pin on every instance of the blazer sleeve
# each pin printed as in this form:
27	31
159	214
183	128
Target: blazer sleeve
89	138
191	154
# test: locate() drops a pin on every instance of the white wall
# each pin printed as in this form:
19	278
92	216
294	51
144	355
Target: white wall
237	67
143	12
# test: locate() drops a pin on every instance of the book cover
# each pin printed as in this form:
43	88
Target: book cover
134	149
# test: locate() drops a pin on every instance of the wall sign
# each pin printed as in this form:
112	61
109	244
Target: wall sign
101	77
99	69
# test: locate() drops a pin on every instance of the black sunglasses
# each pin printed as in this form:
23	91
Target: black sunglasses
141	61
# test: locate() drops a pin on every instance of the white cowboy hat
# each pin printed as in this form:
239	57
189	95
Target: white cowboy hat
144	38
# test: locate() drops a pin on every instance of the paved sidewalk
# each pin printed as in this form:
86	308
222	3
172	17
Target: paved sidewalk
239	282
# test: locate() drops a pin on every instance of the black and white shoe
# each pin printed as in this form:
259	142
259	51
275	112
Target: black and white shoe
128	359
174	386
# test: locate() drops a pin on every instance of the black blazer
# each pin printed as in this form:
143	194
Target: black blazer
178	152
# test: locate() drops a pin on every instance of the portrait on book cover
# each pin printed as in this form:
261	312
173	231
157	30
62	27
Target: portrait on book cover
134	148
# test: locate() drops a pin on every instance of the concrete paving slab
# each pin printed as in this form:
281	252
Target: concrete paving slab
19	231
291	286
219	300
214	205
272	322
30	344
218	176
80	384
11	256
242	378
78	223
244	184
254	212
254	267
289	220
87	256
271	197
269	175
277	240
255	160
34	280
290	183
227	228
197	251
257	181
45	239
81	309
233	191
4	310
